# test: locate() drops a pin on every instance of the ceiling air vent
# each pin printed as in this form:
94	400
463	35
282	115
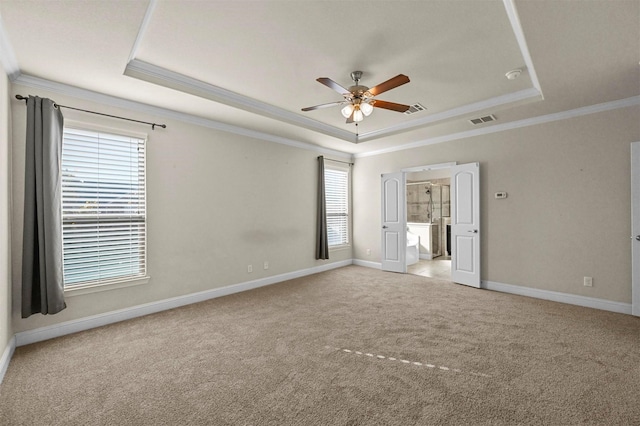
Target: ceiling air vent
481	120
414	108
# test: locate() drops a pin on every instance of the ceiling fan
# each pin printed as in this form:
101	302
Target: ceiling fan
359	101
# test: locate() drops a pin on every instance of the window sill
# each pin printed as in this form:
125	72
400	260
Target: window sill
95	288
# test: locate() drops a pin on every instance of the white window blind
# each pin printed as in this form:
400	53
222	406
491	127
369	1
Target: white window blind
336	186
103	207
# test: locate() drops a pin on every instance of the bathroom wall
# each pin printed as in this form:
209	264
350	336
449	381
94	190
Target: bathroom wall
418	207
426	212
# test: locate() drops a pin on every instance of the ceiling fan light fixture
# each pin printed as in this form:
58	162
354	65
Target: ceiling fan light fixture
358	115
359	101
347	110
366	108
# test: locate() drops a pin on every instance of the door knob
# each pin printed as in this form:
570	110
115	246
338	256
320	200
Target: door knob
638	237
475	231
385	227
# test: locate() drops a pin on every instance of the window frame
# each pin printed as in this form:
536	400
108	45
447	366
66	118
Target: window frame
340	167
99	285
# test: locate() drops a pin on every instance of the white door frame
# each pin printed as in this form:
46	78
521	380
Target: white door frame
450	165
429	167
400	265
403	215
635	228
425	168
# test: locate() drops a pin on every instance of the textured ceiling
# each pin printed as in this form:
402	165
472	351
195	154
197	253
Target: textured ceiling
253	64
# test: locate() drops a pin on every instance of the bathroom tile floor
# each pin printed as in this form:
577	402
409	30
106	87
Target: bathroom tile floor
439	267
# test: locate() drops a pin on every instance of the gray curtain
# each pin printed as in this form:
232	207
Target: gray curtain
322	243
42	281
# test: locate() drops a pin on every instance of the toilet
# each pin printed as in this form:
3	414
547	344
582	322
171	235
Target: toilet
413	248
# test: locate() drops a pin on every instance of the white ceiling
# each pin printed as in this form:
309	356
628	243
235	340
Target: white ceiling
253	64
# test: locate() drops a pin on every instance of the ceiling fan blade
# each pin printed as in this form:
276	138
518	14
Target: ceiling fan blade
392	83
391	105
333	85
311	108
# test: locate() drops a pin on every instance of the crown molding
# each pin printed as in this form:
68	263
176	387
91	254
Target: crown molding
173	80
514	19
563	115
64	89
143	28
510	99
89	95
7	57
166	78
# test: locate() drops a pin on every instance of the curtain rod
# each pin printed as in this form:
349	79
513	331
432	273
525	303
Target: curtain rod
153	125
336	161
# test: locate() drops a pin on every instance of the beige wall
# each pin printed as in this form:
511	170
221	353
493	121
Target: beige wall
5	228
567	214
217	202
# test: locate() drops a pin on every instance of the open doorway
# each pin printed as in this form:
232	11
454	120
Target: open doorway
428	213
465	222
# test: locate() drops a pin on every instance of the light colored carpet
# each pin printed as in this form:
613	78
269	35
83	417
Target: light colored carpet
328	349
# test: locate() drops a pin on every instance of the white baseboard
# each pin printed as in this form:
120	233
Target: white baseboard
74	326
6	357
426	256
571	299
554	296
68	327
367	263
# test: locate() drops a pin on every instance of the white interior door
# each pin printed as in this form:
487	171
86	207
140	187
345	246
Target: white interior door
394	226
635	228
465	224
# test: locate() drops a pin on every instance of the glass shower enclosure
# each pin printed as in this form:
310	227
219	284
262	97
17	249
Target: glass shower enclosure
427	204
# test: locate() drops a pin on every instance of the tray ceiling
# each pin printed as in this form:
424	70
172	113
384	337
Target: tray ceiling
253	64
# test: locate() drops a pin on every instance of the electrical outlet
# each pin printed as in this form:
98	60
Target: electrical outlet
266	265
368	252
249	269
588	281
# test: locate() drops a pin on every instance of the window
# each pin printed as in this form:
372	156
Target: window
103	208
336	186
